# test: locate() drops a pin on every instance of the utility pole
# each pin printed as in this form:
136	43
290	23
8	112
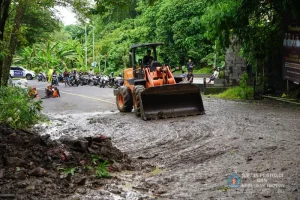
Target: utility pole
94	46
85	48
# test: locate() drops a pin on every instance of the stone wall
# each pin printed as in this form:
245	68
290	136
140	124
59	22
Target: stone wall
235	66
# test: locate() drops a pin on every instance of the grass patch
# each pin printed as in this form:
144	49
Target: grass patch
204	70
240	92
236	93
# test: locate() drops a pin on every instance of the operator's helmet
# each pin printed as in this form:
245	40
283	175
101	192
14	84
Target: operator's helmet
120	74
111	73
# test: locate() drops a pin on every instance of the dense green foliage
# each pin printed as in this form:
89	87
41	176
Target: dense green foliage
189	28
241	92
17	109
119	25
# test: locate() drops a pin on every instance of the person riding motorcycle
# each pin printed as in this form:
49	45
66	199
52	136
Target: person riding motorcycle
54	78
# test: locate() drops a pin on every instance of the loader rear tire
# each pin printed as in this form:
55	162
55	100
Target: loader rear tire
137	101
124	99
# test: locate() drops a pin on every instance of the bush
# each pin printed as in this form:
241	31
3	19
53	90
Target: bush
246	91
17	109
236	93
241	92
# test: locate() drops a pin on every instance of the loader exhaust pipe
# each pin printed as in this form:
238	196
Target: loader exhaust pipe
169	101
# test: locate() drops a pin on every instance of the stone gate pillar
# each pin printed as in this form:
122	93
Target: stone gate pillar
235	66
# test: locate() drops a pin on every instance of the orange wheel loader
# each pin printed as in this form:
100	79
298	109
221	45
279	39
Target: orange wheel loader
153	92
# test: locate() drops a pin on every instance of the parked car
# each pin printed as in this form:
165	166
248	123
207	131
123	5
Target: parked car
21	72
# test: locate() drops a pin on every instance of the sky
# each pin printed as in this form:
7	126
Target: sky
66	15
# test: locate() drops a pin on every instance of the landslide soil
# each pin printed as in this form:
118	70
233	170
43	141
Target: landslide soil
36	167
194	156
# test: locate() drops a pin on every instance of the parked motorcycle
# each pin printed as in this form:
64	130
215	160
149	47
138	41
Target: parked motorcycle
42	77
111	80
54	80
84	79
91	80
60	78
103	81
96	80
73	80
119	81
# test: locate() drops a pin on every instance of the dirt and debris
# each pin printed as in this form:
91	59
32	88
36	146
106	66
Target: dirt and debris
36	167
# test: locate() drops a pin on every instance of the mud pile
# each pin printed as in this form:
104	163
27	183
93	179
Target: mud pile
36	167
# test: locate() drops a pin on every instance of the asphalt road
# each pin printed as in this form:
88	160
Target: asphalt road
77	99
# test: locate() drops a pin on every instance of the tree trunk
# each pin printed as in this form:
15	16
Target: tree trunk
13	40
4	8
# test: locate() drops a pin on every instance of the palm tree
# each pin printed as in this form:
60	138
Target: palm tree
26	57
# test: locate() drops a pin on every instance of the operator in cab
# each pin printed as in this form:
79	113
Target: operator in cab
147	58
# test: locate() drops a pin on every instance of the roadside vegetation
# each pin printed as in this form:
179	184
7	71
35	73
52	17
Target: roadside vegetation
240	92
17	109
96	168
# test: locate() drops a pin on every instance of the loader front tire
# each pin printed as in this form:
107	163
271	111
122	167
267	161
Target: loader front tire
124	99
137	101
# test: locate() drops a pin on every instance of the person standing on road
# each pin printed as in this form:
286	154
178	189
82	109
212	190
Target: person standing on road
66	77
50	72
190	65
76	76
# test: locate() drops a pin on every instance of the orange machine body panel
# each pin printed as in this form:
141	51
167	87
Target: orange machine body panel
128	74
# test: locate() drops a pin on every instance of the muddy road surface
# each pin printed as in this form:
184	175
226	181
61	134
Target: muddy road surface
237	150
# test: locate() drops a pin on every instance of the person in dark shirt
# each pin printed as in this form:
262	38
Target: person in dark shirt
190	77
48	91
54	73
147	58
190	65
66	74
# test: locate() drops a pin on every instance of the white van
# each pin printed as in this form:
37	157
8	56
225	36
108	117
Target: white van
21	72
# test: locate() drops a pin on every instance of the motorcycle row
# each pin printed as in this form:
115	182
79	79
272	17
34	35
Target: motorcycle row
83	78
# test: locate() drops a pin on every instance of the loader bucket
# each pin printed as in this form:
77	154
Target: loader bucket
171	101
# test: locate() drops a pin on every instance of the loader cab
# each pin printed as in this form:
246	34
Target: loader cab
136	55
